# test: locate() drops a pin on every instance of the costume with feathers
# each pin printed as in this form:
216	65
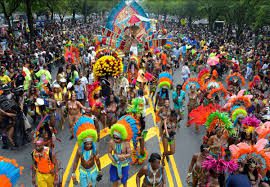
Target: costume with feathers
10	172
165	79
220	92
237	113
199	115
263	130
72	55
239	100
220	119
212	84
257	151
85	128
219	165
190	82
203	75
256	81
235	78
92	90
136	110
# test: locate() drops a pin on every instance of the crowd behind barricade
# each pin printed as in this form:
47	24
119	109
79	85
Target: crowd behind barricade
215	69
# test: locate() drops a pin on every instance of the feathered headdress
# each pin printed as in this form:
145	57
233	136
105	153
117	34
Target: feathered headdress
144	77
126	128
85	128
10	172
72	54
165	79
251	121
203	75
257	152
220	119
199	115
235	77
239	100
214	75
238	112
134	59
92	90
136	107
108	64
263	130
211	84
221	92
256	80
192	82
219	165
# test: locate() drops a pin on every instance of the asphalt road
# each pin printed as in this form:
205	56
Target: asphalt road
187	143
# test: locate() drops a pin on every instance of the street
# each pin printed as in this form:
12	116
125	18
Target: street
187	143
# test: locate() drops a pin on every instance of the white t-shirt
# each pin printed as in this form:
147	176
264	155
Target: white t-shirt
84	81
185	71
264	68
91	78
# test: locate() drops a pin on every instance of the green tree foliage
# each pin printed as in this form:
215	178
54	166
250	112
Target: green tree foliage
238	13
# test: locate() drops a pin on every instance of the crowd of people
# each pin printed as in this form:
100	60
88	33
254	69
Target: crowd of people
224	87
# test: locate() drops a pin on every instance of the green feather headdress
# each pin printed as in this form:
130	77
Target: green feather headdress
136	107
222	119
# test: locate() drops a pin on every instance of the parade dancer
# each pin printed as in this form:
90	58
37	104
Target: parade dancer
125	129
90	167
153	172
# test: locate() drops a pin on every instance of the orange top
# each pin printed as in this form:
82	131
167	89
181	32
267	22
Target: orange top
164	58
43	160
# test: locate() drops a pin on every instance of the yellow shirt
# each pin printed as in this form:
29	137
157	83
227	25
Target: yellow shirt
5	79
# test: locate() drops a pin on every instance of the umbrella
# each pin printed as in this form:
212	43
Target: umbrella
212	61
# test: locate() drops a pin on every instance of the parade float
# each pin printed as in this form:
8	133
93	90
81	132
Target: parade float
128	28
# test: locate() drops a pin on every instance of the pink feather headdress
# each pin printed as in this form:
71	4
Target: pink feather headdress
219	165
251	121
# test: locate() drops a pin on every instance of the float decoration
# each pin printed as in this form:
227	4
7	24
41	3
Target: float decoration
108	64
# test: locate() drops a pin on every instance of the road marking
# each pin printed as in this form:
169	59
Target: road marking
176	173
103	133
174	167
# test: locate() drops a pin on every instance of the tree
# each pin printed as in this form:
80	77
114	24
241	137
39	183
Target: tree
9	7
212	10
28	5
62	8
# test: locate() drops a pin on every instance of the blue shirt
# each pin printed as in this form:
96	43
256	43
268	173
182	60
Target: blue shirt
180	97
238	180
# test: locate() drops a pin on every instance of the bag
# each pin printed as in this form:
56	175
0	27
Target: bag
27	125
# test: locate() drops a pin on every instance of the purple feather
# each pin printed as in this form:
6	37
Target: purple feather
251	121
232	166
219	165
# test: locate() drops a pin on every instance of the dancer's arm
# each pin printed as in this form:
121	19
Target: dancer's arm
139	175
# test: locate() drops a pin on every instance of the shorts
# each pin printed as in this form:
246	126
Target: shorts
114	174
88	176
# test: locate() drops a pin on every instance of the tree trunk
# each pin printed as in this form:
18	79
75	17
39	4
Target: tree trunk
190	22
73	16
30	19
10	30
52	14
61	22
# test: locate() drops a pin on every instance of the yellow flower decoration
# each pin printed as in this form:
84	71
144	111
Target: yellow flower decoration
108	63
